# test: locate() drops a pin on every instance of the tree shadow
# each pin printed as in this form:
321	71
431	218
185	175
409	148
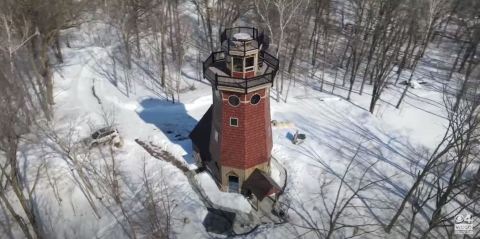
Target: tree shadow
396	155
172	119
218	221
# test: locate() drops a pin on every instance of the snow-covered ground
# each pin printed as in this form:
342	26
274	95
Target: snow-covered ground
224	200
144	116
393	140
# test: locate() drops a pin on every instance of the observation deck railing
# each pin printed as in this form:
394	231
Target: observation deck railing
265	76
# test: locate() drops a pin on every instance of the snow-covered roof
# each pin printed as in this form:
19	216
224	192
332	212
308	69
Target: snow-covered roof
242	36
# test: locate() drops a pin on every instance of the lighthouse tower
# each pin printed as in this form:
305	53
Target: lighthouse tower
233	140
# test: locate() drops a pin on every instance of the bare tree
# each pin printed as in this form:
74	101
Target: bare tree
278	14
64	143
109	181
341	214
46	19
454	149
433	15
204	9
17	112
158	206
386	51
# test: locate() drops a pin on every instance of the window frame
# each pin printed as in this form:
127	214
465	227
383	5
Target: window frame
249	68
259	99
242	64
235	119
230	103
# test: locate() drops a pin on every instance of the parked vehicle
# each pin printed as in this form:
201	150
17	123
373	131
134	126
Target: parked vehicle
103	136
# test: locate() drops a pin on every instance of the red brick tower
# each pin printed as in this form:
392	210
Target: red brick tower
238	122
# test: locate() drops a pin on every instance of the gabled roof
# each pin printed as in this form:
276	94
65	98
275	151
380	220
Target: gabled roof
200	135
261	185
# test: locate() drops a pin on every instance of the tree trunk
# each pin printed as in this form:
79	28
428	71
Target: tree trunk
469	53
294	52
58	50
455	63
18	219
209	26
404	93
404	59
475	182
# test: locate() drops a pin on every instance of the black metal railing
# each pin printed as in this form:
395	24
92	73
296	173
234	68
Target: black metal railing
269	59
244	84
214	57
240	83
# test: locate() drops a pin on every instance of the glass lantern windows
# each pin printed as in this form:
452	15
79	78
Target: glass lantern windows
250	63
241	64
237	64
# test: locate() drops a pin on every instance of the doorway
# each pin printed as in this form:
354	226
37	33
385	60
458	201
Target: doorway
233	184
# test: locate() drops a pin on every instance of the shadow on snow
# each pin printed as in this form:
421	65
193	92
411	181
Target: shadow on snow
172	119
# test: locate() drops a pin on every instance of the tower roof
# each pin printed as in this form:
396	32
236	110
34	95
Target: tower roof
261	185
200	135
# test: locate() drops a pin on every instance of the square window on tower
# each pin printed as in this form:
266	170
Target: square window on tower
233	121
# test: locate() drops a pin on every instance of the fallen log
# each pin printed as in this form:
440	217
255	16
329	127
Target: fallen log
161	154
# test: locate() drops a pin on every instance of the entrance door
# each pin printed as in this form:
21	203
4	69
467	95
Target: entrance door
233	184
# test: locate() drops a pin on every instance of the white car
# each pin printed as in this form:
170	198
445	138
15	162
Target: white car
104	136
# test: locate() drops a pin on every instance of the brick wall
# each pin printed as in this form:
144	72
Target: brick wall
249	143
248	74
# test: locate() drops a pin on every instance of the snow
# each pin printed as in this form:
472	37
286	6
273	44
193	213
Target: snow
232	202
415	85
142	115
334	129
396	139
242	36
277	172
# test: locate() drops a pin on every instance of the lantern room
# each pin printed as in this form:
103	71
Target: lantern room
243	64
241	55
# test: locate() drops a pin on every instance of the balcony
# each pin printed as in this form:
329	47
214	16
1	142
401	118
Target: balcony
215	71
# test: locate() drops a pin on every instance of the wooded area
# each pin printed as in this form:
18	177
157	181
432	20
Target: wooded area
357	43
